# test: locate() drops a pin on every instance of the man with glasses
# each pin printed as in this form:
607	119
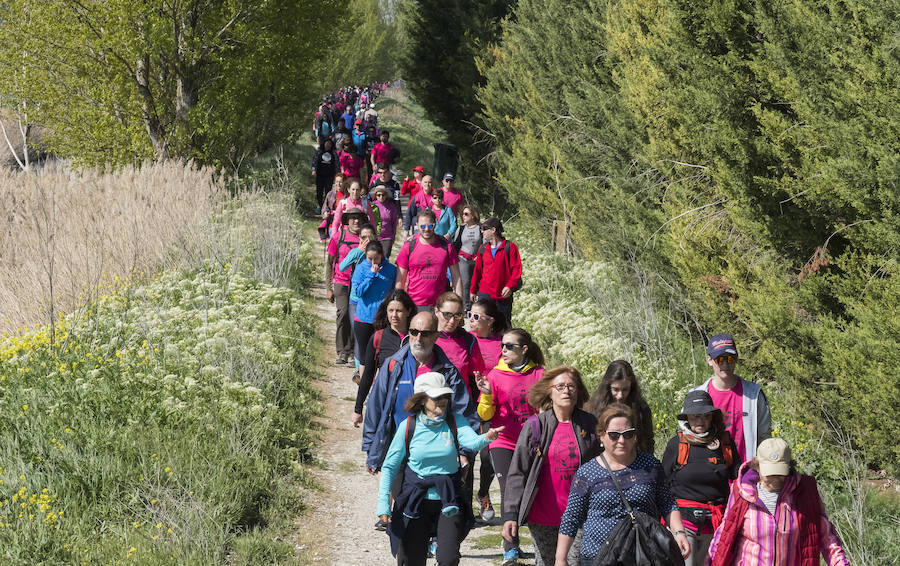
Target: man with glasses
386	177
394	385
423	261
743	404
422	201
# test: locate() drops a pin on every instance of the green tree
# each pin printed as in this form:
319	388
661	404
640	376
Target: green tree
124	80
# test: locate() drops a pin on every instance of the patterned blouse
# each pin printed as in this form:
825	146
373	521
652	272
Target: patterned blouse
594	503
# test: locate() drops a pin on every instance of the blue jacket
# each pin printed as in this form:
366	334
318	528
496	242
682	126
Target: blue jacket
359	140
371	288
446	226
378	426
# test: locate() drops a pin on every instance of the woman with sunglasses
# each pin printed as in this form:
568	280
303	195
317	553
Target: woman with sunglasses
594	503
446	220
391	325
460	346
551	447
486	324
504	402
467	242
424	454
620	385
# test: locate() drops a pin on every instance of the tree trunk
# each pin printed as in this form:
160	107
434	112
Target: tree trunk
185	100
151	119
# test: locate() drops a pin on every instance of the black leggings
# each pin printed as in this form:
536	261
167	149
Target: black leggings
486	472
362	331
323	185
418	534
502	458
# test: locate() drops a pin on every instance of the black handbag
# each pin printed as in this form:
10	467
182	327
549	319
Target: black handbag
638	539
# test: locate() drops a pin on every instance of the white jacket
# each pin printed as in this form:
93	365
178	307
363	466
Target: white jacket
757	418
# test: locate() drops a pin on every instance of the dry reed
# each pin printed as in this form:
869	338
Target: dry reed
66	232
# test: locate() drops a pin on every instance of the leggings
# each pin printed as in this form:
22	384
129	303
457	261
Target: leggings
501	459
362	331
486	472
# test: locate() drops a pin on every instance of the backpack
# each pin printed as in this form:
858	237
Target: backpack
684	449
506	247
412	244
324	128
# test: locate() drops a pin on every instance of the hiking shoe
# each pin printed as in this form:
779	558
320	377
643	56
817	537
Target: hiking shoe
510	557
351	363
341	360
380	525
487	510
356	377
432	548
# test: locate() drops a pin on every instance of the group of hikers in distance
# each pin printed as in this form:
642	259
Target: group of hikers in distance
446	379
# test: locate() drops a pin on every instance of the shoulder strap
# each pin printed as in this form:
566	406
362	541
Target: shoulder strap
376	341
451	420
412	245
534	446
391	363
684	449
727	452
470	343
410	430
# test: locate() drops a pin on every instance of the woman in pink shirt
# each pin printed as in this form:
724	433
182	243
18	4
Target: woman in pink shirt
354	199
486	324
549	451
350	161
504	402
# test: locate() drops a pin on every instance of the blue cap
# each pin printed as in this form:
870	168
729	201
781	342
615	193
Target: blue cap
721	344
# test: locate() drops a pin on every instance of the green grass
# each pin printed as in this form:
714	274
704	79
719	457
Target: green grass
168	421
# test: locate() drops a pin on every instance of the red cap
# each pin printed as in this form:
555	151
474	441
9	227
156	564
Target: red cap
419	168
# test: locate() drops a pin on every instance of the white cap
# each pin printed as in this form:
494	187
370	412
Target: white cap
433	384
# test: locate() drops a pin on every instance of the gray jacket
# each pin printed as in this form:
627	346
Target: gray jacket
529	456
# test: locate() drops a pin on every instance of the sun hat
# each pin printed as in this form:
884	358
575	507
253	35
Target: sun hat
721	344
697	402
774	457
355	211
379	189
433	384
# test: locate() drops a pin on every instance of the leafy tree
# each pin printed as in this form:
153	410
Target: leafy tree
124	80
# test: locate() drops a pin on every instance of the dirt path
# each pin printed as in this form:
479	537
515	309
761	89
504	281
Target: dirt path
338	526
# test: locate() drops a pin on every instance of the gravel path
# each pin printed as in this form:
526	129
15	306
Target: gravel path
338	525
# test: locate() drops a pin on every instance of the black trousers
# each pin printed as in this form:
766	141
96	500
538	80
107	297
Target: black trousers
486	472
502	458
414	548
323	185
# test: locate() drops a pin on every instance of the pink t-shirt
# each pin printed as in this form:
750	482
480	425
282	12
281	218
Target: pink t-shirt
465	362
490	349
345	204
350	241
422	200
382	151
555	479
427	269
510	392
454	200
731	403
351	163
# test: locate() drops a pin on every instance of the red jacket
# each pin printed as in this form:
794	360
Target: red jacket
493	273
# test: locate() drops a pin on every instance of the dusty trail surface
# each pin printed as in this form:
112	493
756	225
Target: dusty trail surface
338	527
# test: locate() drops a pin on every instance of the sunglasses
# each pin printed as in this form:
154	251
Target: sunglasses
426	226
510	346
626	434
425	333
723	359
466	214
474	316
449	315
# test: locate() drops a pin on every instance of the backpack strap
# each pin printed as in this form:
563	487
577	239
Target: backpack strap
727	452
376	342
410	430
684	449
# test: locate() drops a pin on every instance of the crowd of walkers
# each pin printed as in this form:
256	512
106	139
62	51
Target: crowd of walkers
446	379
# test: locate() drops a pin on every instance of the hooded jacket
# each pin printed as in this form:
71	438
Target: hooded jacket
794	536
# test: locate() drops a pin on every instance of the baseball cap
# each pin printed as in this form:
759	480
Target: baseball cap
492	223
721	344
433	384
449	176
697	402
419	168
774	457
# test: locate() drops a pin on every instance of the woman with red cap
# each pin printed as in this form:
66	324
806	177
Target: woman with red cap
412	187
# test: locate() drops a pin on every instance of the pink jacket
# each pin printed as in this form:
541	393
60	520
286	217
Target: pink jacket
345	204
772	540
